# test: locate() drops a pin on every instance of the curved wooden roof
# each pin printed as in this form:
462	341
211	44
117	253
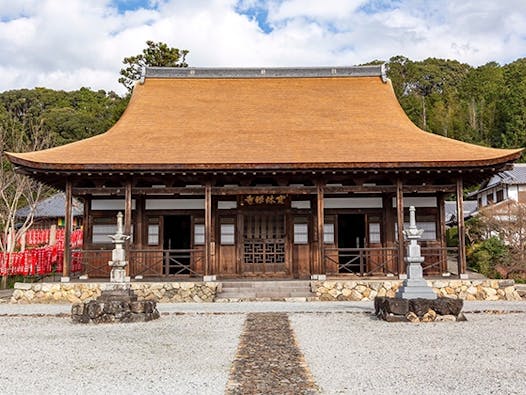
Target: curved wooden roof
193	121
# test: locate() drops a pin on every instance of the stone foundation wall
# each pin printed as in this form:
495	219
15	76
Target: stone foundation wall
330	290
164	292
456	289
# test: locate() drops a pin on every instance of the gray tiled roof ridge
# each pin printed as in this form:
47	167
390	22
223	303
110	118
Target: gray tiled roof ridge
267	72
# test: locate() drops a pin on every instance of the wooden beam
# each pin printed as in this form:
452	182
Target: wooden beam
461	228
247	190
400	225
429	188
299	190
208	228
320	215
68	225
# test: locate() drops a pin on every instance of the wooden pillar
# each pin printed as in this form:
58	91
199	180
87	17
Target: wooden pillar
68	225
441	218
140	220
128	210
388	231
400	225
128	222
86	222
320	215
208	228
461	228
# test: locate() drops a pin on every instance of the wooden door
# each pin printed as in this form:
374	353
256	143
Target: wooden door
264	243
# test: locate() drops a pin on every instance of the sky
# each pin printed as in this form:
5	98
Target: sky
68	44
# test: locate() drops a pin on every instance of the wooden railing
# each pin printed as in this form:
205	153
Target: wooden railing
361	261
147	262
384	260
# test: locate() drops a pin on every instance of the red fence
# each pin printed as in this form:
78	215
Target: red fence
41	260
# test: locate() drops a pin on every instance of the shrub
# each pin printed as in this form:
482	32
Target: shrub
483	256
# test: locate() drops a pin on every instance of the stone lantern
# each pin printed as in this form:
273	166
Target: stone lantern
414	286
118	258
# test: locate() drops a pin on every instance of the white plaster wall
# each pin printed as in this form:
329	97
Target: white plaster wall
513	192
110	204
355	202
299	204
226	205
175	204
418	201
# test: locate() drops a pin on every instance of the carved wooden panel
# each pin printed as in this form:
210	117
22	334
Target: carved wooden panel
264	243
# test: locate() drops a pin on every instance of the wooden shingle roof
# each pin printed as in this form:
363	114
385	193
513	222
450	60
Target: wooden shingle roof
217	119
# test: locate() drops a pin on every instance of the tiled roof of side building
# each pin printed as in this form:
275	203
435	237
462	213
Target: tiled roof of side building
517	175
53	206
274	118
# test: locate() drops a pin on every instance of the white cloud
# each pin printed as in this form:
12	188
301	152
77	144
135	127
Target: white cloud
69	44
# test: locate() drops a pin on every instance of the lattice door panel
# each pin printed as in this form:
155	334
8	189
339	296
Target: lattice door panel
264	243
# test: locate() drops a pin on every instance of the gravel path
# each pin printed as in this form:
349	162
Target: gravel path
174	355
356	354
190	350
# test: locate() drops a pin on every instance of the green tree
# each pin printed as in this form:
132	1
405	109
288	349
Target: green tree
154	55
512	106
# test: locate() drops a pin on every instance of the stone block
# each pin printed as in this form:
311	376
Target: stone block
77	309
94	309
396	306
420	306
446	318
395	318
149	306
137	307
412	317
378	301
429	316
23	286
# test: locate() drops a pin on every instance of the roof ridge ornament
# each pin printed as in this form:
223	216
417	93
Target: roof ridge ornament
383	70
143	75
267	72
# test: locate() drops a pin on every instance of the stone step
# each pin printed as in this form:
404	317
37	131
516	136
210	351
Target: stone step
265	290
231	292
521	290
286	299
279	289
264	284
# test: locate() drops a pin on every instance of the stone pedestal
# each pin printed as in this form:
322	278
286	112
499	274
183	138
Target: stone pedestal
118	303
418	309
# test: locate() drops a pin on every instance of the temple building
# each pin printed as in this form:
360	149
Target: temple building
277	172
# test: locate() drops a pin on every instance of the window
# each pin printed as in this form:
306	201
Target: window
227	234
489	198
153	231
102	228
500	195
199	234
424	222
328	233
430	230
374	233
301	232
